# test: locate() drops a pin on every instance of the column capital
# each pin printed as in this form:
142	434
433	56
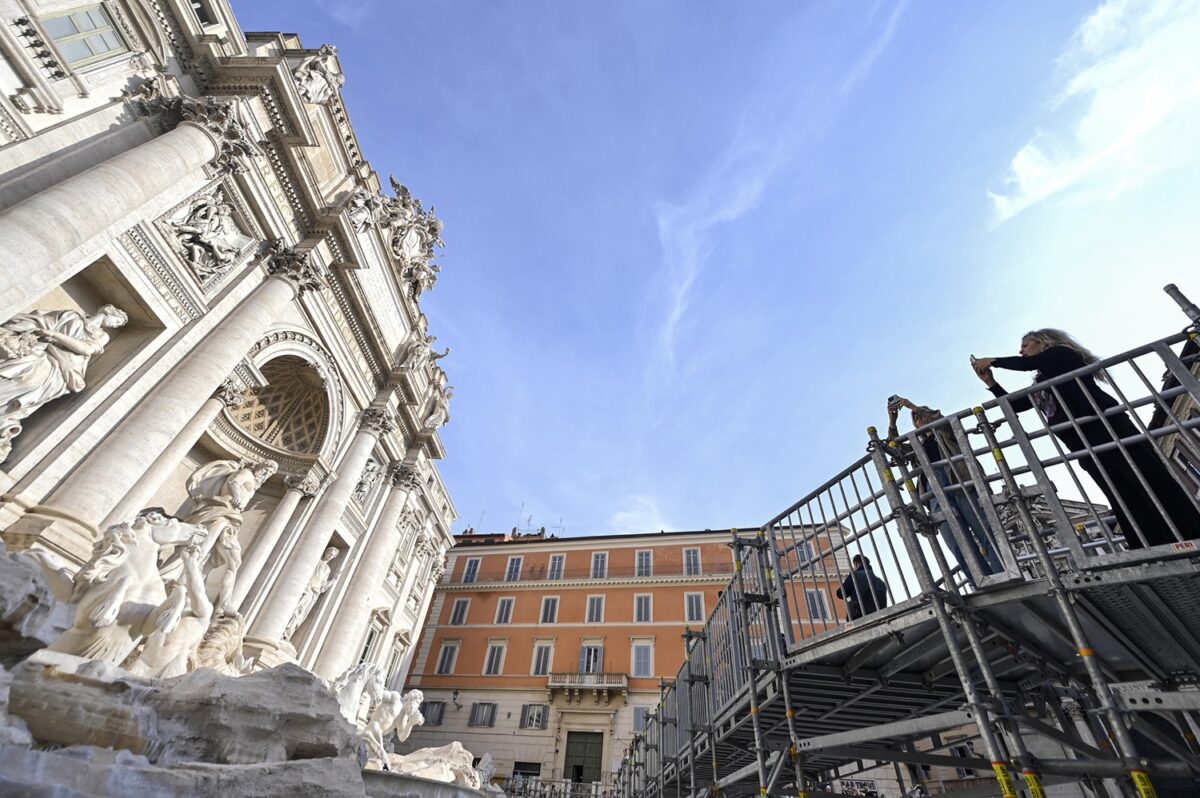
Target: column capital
404	476
308	485
298	268
221	118
229	395
378	421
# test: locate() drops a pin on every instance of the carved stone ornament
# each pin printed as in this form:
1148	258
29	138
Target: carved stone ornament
308	485
44	355
415	235
321	580
229	394
316	81
378	421
208	236
439	408
370	475
220	117
364	209
297	268
404	476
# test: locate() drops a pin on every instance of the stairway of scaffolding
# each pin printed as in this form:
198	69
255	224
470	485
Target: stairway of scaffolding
1082	643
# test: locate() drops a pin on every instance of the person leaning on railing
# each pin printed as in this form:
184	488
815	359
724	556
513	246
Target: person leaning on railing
1052	353
939	446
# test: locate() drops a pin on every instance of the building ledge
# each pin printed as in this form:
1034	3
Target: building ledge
601	686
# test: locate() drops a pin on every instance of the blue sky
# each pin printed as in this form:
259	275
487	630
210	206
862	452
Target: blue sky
691	251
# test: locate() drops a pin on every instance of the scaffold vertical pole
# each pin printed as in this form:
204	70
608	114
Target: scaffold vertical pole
1125	747
691	720
760	748
1029	770
706	644
937	602
767	562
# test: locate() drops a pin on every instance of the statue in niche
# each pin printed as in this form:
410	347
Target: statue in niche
318	583
439	411
420	351
219	493
396	712
45	355
209	237
178	625
371	473
118	591
364	209
316	81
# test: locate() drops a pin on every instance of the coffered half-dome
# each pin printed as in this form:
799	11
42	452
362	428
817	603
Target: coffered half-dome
290	412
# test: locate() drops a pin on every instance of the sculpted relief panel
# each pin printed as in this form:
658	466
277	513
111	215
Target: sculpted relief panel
208	236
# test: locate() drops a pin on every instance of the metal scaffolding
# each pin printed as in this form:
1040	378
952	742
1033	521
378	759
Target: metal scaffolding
1030	584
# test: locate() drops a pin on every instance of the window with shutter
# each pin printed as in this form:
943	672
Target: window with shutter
556	566
458	613
691	562
482	714
599	565
543	655
642	653
494	661
645	563
447	658
504	611
693	607
642	608
550	609
513	572
595	609
471	571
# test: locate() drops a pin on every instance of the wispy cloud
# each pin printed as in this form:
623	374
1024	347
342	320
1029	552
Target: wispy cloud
1128	109
640	513
348	12
774	131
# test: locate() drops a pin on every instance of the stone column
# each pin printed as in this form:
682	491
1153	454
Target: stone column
47	237
68	521
268	536
378	550
227	395
285	594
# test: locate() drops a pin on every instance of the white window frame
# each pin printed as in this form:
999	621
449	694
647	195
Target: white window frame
558	564
533	663
648	644
602	558
588	608
535	712
487	657
470	569
81	35
699	562
508	568
465	603
687	601
503	618
371	640
637	599
594	644
637	563
490	713
826	610
542	613
453	647
434	718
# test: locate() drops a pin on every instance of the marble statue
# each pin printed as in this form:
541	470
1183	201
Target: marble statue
364	209
439	411
486	769
318	583
315	79
415	235
209	237
448	763
393	712
178	625
221	648
219	491
44	354
372	471
118	590
363	679
420	351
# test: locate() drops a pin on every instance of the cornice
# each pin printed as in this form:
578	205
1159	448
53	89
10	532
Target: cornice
597	584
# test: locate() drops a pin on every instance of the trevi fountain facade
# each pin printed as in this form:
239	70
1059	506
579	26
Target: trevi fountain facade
220	414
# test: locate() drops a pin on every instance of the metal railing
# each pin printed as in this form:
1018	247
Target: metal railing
993	506
619	680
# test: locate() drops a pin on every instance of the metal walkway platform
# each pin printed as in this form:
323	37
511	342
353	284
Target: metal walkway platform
1013	594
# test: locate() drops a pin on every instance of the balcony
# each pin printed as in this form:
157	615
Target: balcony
542	573
602	686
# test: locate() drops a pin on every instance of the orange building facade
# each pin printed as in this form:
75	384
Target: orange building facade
547	653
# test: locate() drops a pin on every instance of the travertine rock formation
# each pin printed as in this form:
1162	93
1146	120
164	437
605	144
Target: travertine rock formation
31	616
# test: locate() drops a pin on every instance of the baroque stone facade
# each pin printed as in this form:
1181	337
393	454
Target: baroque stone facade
210	306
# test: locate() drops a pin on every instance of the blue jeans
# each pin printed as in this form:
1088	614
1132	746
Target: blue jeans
978	538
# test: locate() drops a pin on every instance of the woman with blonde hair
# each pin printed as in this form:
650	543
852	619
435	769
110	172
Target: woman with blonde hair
1051	353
